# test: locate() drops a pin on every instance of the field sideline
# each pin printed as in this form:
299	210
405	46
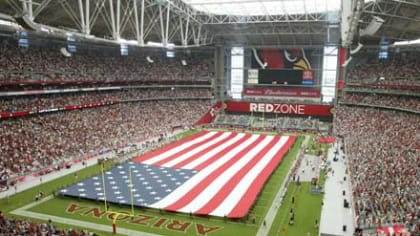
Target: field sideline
154	221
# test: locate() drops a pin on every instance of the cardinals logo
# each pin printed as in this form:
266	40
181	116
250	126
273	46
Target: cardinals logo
294	58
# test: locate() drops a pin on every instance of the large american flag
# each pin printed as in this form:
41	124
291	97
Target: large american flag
209	173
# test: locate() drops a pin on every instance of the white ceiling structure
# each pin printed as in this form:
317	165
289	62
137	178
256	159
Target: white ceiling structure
193	23
186	23
264	7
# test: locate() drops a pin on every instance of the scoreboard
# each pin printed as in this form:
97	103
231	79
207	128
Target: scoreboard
280	76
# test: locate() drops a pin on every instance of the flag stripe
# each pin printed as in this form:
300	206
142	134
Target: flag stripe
220	191
179	148
203	191
189	152
148	155
232	169
216	153
206	149
185	188
244	194
210	173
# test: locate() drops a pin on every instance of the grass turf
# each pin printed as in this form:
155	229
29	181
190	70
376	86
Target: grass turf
307	209
58	206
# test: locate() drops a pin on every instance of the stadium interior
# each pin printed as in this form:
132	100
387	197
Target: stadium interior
210	117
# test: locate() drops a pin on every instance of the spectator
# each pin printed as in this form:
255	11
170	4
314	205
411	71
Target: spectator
399	68
40	102
383	149
12	227
32	143
393	101
47	64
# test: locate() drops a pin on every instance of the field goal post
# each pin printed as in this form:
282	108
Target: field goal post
117	214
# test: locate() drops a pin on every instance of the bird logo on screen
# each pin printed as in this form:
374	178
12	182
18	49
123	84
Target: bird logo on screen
293	58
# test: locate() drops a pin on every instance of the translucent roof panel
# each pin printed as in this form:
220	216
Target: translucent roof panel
264	7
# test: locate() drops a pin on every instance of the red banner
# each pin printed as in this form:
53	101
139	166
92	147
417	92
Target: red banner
342	56
90	105
340	84
66	82
53	82
48	110
282	92
13	114
279	108
210	115
399	230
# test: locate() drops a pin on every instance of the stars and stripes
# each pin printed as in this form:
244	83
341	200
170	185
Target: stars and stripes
149	184
209	173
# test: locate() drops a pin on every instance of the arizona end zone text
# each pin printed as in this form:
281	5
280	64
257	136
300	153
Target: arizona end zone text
277	108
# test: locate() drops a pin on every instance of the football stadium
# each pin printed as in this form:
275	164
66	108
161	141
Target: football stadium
210	117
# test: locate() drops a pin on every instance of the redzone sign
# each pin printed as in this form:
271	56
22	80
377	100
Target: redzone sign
279	108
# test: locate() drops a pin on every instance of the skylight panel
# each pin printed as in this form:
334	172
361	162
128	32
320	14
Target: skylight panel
264	7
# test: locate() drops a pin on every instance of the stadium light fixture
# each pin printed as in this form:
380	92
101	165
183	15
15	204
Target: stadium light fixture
154	44
407	43
149	59
65	53
357	49
373	26
159	44
184	62
170	45
5	22
347	62
44	29
125	41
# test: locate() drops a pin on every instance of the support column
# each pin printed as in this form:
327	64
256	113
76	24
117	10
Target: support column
30	11
136	15
187	26
87	15
162	26
118	19
82	16
111	10
168	11
142	23
219	82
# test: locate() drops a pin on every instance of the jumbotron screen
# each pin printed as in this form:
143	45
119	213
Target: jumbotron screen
289	77
281	66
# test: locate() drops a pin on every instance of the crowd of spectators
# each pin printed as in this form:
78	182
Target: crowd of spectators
402	68
43	64
32	143
39	102
383	151
269	123
13	227
394	101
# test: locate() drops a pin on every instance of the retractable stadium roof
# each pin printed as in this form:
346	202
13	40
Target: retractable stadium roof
259	23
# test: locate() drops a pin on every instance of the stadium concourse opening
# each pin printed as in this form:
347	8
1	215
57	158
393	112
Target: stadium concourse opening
209	173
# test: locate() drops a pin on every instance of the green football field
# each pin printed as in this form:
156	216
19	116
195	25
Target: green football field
306	206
